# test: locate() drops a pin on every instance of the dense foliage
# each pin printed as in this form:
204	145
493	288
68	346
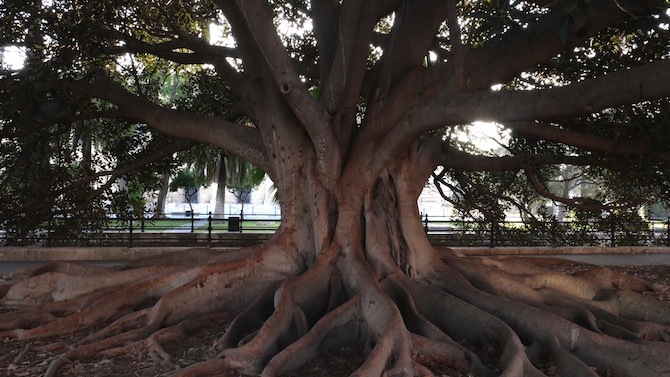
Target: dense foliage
62	154
349	107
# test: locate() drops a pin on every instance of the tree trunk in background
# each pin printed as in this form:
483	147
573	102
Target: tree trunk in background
220	206
86	151
165	176
162	195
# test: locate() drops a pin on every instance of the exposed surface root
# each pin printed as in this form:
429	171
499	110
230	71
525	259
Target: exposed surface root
564	337
481	317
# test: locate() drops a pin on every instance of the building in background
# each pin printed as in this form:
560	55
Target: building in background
258	203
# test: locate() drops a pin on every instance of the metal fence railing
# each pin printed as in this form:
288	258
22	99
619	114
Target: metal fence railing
220	231
190	230
611	231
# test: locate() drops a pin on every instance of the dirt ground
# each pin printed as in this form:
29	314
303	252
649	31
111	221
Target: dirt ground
27	360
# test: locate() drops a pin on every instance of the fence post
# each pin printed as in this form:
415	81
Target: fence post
612	232
142	224
492	234
209	230
130	228
425	223
552	229
192	223
48	232
667	231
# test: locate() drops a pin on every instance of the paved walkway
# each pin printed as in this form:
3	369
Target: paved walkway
9	266
617	259
186	228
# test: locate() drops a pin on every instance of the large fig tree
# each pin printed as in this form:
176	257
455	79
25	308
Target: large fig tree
349	106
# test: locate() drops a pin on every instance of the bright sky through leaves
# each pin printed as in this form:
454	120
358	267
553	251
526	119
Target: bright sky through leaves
13	57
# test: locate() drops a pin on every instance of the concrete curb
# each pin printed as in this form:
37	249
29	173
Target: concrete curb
27	254
563	250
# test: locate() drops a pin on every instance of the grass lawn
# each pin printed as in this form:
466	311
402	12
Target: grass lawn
151	225
161	225
250	226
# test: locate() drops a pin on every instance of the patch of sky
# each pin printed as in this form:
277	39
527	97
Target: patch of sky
12	58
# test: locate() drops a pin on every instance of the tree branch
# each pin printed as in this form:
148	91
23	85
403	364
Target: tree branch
326	15
458	49
449	107
576	203
490	64
441	153
39	203
482	190
38	125
342	82
239	139
258	21
647	82
134	165
397	75
201	53
590	142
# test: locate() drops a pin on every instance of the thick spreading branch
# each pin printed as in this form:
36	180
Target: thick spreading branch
634	85
257	19
637	84
240	139
553	133
442	153
395	78
539	43
186	49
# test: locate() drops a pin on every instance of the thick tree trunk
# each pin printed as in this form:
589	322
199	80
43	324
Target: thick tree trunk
350	267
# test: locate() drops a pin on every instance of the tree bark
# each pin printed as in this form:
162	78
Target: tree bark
162	195
349	271
220	206
350	265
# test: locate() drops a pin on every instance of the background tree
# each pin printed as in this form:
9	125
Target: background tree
190	182
583	83
242	178
170	91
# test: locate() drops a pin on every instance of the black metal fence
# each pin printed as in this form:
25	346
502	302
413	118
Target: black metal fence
231	231
220	231
612	231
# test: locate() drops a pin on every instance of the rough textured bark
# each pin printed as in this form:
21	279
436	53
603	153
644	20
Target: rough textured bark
350	265
369	280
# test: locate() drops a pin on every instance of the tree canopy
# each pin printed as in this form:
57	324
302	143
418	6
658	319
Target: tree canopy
74	52
349	106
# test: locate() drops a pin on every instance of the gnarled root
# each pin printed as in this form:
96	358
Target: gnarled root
486	317
564	341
